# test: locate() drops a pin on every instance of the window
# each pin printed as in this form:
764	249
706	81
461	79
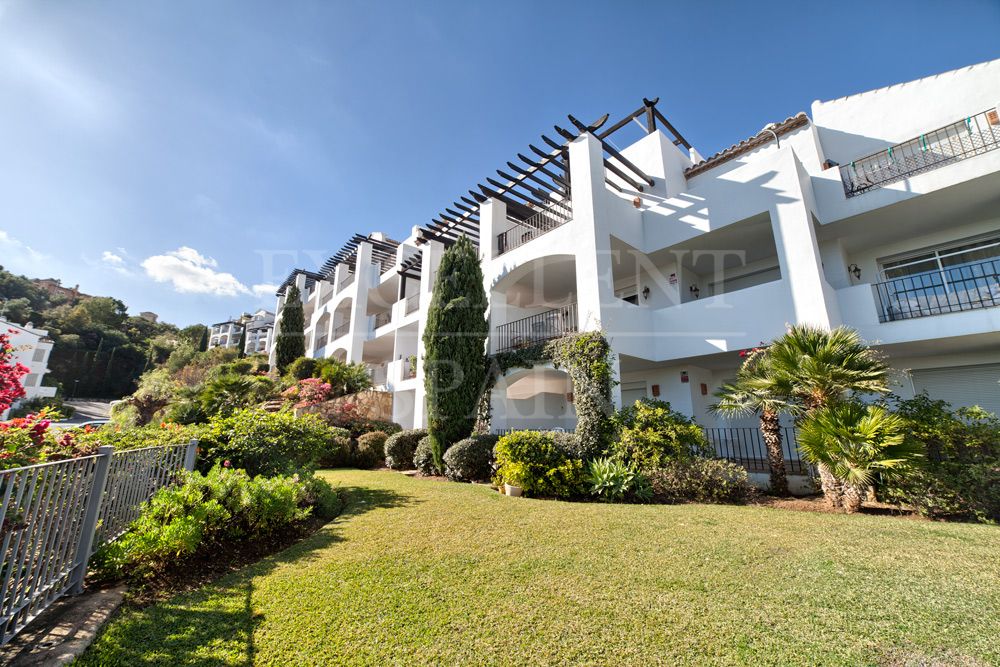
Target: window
958	276
30	380
39	355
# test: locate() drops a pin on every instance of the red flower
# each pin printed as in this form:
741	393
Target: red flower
225	464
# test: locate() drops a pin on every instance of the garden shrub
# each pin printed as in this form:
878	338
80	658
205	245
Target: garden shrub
302	368
152	435
586	358
340	453
701	480
33	406
569	443
207	510
959	475
423	457
471	459
613	481
400	447
370	451
268	443
531	460
650	434
29	440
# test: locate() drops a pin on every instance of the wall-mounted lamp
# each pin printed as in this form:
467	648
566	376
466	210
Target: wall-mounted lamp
645	292
855	270
694	291
637	202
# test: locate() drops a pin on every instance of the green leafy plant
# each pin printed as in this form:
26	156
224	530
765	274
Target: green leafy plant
701	480
614	481
454	340
586	358
855	443
532	461
370	450
651	434
400	447
423	457
471	459
268	443
205	510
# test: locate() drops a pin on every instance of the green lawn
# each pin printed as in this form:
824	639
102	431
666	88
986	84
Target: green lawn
426	572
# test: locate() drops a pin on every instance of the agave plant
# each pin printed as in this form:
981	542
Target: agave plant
758	391
854	443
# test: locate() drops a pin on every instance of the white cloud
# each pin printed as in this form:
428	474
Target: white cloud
111	258
190	272
264	289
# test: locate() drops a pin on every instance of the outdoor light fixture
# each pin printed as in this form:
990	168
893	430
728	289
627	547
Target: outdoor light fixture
645	292
694	291
855	270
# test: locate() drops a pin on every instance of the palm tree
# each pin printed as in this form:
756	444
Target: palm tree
757	391
855	442
823	367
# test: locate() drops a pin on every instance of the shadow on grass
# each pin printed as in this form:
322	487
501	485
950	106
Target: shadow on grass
215	624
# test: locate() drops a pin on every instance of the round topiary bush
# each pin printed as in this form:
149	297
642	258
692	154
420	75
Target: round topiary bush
423	457
339	453
470	460
370	451
400	447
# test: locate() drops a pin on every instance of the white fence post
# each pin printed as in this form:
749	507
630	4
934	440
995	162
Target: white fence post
90	518
190	455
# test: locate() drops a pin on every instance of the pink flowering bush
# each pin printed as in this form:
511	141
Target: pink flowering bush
29	440
11	388
309	391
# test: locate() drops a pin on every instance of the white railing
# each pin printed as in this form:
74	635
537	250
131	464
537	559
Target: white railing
55	514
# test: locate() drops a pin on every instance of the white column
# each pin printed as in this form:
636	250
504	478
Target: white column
359	304
801	266
594	281
492	221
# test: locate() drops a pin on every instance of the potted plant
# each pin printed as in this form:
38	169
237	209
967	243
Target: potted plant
412	359
513	480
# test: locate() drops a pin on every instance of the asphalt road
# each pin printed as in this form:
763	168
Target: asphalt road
87	410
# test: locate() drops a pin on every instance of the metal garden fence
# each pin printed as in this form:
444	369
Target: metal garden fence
54	515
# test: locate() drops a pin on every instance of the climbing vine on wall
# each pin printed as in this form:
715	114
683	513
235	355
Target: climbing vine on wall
586	358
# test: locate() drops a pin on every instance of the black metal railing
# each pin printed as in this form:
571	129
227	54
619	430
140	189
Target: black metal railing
412	303
745	446
950	290
537	328
556	215
971	136
382	319
341	330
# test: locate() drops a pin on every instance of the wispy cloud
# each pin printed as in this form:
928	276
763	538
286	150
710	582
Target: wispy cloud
112	259
264	289
190	272
13	247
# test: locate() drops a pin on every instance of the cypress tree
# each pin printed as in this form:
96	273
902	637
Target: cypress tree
455	347
242	345
203	343
290	343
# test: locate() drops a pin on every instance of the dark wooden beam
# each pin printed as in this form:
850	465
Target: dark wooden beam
614	153
540	168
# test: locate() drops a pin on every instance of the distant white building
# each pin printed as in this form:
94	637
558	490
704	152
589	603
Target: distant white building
259	329
879	211
31	348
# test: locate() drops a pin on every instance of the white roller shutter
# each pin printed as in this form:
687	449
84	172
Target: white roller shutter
963	386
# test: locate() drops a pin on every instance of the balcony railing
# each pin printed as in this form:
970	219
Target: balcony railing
950	290
381	319
537	328
412	303
345	281
963	139
556	215
745	446
341	330
321	342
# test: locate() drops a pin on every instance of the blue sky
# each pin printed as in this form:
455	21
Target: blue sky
183	156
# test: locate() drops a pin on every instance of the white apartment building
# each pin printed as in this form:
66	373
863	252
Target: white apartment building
879	210
259	328
32	348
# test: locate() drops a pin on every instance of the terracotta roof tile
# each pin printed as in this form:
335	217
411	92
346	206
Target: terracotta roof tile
747	145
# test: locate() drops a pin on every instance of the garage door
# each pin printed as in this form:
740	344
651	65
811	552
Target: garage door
965	386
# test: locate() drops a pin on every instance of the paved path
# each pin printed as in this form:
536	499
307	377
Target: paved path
88	409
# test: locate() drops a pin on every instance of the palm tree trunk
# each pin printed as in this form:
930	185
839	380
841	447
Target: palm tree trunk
853	497
833	490
770	428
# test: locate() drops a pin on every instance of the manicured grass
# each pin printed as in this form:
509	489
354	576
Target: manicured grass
427	572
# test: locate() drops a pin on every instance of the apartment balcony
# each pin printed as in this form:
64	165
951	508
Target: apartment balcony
975	135
948	290
523	231
345	281
381	319
342	330
412	304
537	328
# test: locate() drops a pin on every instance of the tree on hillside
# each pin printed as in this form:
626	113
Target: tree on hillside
290	343
454	343
203	343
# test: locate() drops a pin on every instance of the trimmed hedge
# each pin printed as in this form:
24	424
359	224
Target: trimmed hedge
400	447
702	481
470	460
423	457
370	450
532	461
